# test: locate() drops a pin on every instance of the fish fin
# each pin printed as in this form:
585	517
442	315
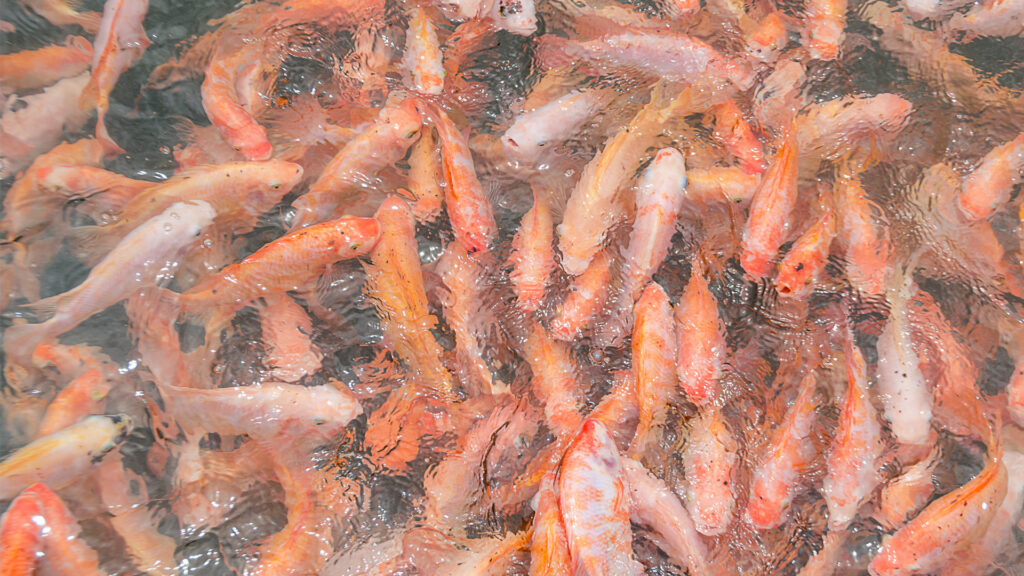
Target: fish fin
91	244
110	148
21	340
45	308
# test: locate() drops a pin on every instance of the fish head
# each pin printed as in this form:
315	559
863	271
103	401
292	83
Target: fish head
276	178
404	119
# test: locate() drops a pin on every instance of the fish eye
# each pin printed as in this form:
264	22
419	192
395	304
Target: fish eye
275	186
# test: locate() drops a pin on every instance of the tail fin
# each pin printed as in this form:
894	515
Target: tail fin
20	342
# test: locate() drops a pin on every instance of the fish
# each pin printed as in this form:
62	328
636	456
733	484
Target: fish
120	43
264	412
659	198
64	13
858	127
83	396
701	348
863	232
423	59
655	52
533	255
549	549
802	266
554	380
224	107
425	177
39	533
63	457
32	69
736	135
593	496
852	474
709	185
469	211
292	262
710	462
27	208
947	525
286	331
394	284
653	504
534	133
653	347
901	386
33	124
238	192
824	23
466	313
769	220
905	495
587	295
996	18
104	193
380	145
987	189
145	257
777	475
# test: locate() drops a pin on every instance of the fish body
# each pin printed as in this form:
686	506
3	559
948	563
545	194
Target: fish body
533	255
395	286
732	129
63	457
777	476
119	44
289	263
468	209
710	461
654	346
768	223
224	106
423	58
996	18
39	535
824	24
533	133
593	496
902	388
987	188
659	197
83	396
852	473
586	297
383	143
286	331
549	549
864	234
701	347
31	69
145	257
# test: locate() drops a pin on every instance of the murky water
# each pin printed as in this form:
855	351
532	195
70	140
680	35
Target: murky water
378	496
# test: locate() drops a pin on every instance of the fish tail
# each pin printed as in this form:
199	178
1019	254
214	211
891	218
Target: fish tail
21	340
109	146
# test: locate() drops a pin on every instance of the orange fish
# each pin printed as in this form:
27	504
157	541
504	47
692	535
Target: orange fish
382	144
286	331
852	473
732	129
423	54
864	234
710	461
805	261
654	344
425	176
225	109
83	396
549	549
395	286
946	526
554	380
468	209
291	262
594	500
987	189
119	44
768	223
533	255
586	298
467	316
778	475
824	22
31	69
40	534
701	339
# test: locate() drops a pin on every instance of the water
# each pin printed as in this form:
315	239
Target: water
376	480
